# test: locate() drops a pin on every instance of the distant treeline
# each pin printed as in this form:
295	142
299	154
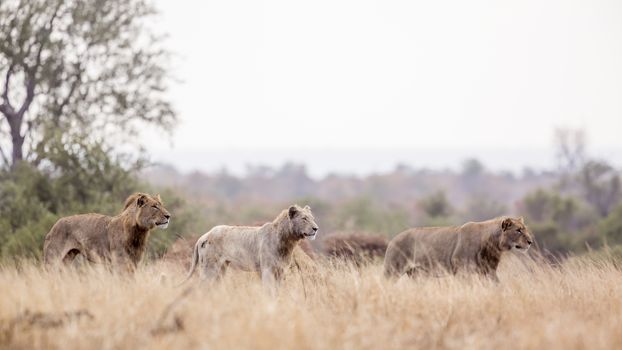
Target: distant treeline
570	210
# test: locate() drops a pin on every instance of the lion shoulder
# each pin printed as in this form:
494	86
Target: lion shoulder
475	232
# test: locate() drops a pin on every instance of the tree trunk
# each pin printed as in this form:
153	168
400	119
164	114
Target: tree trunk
17	139
18	150
15	117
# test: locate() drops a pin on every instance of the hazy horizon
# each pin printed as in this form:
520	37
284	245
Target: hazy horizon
362	162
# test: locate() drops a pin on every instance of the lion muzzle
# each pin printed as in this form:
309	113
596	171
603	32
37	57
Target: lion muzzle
312	235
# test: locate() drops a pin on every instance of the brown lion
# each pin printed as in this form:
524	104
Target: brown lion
266	250
474	246
120	240
355	247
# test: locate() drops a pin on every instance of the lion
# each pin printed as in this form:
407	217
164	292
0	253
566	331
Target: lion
357	248
120	240
474	246
180	252
266	250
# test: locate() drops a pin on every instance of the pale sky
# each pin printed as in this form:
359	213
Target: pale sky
423	82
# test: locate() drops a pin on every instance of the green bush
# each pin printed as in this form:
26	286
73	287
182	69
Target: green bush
75	179
186	220
610	228
362	214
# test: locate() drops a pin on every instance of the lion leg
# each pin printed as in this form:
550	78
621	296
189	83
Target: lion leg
210	274
271	278
393	270
413	272
52	253
398	261
223	269
213	270
54	243
70	256
60	253
120	261
492	276
269	281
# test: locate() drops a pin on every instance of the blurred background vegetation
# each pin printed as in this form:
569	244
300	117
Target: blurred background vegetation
574	207
80	80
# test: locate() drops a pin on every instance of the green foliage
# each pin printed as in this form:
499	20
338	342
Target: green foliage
472	168
32	200
611	227
570	213
88	173
24	212
361	214
481	208
542	206
568	223
436	205
185	220
547	214
552	238
600	184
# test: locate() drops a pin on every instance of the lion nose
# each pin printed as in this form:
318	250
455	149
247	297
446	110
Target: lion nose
315	229
167	216
529	241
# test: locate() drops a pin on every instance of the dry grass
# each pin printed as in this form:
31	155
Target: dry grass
575	305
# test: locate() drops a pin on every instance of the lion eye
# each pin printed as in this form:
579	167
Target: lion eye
154	206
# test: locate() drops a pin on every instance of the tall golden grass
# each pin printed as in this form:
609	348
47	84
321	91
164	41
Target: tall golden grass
576	304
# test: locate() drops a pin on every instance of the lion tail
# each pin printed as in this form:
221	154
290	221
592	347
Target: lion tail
195	261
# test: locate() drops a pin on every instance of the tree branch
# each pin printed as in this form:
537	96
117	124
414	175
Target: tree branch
30	95
5	159
6	107
72	90
31	80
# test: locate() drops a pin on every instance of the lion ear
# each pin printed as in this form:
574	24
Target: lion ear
506	223
293	210
141	200
522	220
158	197
307	207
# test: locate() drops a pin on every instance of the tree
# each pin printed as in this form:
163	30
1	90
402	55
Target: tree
364	214
472	168
611	227
436	205
601	186
547	206
90	68
570	151
472	177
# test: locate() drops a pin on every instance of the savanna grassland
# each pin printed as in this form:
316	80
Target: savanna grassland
572	305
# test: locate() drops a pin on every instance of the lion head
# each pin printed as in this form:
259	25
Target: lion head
515	235
302	222
149	211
